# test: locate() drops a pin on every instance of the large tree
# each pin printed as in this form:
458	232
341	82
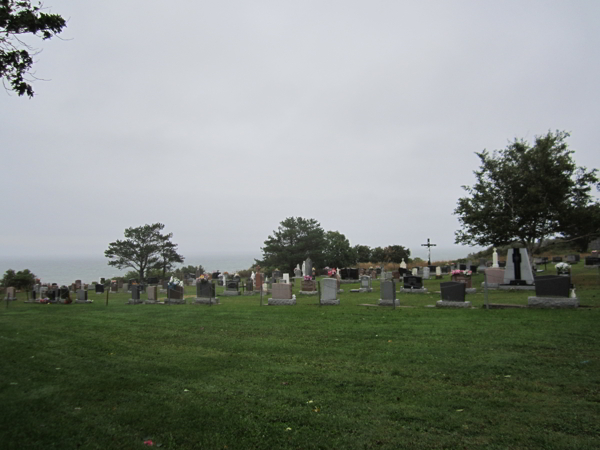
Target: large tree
396	253
363	253
23	279
338	252
295	240
141	249
521	192
18	18
167	254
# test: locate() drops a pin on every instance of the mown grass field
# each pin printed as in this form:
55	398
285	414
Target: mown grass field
241	376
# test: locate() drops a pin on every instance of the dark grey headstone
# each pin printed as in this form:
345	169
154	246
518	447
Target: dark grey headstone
552	286
135	292
412	282
205	289
99	289
453	291
388	290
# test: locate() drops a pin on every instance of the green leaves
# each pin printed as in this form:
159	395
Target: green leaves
523	192
17	18
144	248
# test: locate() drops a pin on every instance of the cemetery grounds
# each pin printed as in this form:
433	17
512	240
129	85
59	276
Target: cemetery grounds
241	376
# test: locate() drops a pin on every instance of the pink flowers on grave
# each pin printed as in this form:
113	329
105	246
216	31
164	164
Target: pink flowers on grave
307	278
464	273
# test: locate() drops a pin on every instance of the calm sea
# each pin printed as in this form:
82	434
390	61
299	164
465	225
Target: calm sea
65	270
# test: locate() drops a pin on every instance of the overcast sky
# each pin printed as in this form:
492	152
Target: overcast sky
222	118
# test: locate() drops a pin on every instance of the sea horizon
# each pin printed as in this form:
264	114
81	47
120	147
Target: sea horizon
66	269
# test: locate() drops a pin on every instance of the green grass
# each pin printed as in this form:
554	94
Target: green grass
241	376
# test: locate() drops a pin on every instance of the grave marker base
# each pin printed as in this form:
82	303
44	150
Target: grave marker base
206	301
413	291
330	302
230	293
512	287
282	301
308	292
448	304
388	302
552	302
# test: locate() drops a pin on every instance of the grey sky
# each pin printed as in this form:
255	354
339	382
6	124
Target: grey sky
220	119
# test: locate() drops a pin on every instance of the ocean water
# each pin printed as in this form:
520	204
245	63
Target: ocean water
65	270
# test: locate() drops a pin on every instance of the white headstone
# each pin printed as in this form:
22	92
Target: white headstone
495	258
304	268
415	272
524	266
426	272
438	271
403	264
286	278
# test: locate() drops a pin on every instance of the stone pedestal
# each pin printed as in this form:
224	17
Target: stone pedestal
448	304
206	301
383	302
413	291
552	302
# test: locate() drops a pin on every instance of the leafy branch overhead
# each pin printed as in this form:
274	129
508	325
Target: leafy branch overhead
526	194
18	18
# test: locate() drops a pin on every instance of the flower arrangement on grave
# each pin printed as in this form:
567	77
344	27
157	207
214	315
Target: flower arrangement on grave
331	273
563	268
174	282
307	278
461	273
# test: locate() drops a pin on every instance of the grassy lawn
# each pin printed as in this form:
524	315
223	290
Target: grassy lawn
240	376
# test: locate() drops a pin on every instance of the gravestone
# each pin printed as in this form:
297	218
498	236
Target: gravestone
99	289
572	259
518	269
114	287
231	289
438	272
495	259
64	295
249	285
152	294
308	266
206	293
125	287
552	286
453	295
297	271
286	278
365	284
452	291
482	264
388	294
494	277
175	295
403	264
552	291
592	261
135	295
426	273
329	292
82	296
462	267
309	287
282	295
412	282
11	294
258	280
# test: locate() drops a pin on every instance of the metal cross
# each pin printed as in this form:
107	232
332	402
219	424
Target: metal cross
428	245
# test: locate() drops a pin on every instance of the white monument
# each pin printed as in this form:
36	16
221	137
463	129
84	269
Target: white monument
495	258
403	264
